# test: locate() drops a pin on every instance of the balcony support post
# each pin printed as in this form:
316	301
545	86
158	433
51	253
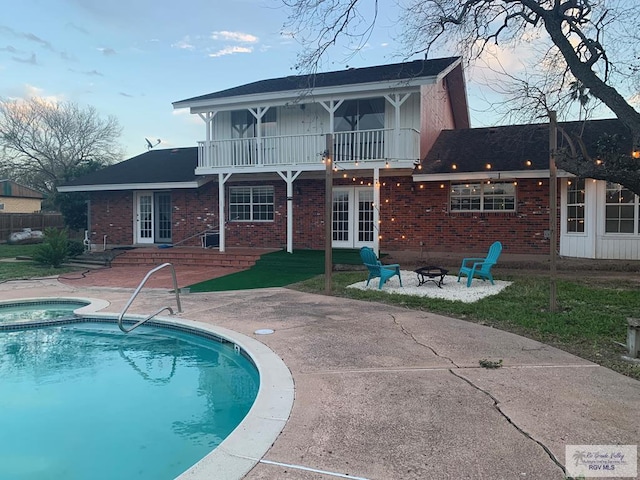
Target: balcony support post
222	179
289	177
376	210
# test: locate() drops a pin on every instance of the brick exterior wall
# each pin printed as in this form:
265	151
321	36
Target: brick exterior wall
415	216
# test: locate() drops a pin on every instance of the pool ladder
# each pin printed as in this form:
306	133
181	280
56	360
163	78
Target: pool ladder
135	294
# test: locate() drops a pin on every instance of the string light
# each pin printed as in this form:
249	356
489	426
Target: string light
528	163
635	153
454	167
488	166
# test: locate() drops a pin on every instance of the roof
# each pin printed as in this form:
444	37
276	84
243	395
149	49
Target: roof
9	188
352	76
162	166
508	148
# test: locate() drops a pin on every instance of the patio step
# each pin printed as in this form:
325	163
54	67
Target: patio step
202	257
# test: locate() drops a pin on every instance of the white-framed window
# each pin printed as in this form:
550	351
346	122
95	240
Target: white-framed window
251	203
575	205
1	206
483	197
621	210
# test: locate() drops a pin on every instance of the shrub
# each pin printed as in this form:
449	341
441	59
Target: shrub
55	248
76	248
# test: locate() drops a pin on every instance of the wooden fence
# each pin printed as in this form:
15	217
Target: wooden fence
16	222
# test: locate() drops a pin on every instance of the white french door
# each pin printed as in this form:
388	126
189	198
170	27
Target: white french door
352	217
152	217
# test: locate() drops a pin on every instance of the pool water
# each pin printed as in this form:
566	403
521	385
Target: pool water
85	401
38	310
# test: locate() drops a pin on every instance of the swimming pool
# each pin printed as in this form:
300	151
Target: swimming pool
39	309
149	358
26	310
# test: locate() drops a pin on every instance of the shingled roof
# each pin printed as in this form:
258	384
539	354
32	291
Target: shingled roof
508	148
351	76
153	167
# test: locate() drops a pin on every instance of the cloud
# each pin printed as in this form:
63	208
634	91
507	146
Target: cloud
238	37
10	49
91	73
31	60
123	94
27	36
28	91
230	51
184	44
73	26
106	51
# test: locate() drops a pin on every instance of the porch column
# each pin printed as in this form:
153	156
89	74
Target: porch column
396	100
376	210
289	177
208	120
222	224
258	113
331	107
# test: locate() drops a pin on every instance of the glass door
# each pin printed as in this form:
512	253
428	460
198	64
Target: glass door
144	217
352	217
162	210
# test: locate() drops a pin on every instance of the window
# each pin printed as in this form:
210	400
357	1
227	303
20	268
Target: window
575	205
483	197
621	210
1	206
245	125
355	115
251	204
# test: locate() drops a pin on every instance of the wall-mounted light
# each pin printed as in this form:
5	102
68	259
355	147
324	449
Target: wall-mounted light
635	153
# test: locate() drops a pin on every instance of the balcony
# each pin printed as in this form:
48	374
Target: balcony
367	147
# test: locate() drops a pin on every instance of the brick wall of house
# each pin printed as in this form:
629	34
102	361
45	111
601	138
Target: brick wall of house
414	216
112	215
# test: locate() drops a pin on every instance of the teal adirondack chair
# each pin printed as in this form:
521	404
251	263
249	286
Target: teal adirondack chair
377	269
480	267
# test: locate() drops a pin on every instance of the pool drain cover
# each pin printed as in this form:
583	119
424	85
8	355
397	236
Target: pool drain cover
264	331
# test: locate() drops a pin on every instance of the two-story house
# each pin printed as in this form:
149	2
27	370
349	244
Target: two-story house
260	170
406	173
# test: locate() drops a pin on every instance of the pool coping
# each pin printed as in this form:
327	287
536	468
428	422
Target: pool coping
262	425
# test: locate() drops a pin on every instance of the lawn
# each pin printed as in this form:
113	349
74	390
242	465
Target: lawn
24	269
279	269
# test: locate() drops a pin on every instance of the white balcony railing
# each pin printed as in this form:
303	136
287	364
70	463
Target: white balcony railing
361	146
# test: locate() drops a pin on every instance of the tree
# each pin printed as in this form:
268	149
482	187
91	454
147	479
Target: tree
590	47
45	143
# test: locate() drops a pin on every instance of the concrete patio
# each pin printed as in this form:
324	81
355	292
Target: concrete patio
388	393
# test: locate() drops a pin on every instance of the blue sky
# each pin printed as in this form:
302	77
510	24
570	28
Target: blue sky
132	59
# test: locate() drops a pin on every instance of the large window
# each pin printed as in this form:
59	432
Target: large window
245	125
483	197
575	205
621	210
355	115
251	203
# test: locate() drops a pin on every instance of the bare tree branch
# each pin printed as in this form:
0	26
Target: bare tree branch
45	143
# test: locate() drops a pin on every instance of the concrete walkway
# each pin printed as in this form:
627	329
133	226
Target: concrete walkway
389	393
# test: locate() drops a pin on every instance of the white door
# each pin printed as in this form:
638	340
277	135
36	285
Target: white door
144	217
352	217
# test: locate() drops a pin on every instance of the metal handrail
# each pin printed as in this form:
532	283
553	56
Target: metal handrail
199	234
135	294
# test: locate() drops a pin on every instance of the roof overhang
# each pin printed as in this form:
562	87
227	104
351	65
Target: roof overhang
504	175
134	186
312	95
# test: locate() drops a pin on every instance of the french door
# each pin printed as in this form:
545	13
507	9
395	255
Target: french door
352	217
153	217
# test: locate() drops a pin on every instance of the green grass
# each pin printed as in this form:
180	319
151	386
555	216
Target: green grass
13	251
278	269
590	323
24	269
